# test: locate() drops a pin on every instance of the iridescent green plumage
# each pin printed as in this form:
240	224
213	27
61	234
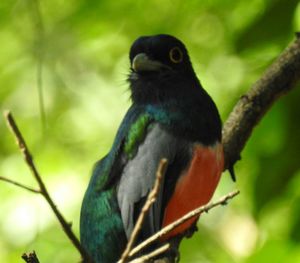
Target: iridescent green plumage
106	240
136	133
100	202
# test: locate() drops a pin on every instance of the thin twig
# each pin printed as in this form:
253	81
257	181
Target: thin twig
20	185
30	257
198	211
151	255
39	74
150	200
29	160
38	24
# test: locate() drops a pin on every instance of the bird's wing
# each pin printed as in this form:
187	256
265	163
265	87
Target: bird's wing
107	171
140	144
100	214
138	177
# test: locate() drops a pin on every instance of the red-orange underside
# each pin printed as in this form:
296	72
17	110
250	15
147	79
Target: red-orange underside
195	186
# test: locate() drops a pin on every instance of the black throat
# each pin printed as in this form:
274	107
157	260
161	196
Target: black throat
188	110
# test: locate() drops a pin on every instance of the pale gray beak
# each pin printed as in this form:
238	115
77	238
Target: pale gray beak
142	62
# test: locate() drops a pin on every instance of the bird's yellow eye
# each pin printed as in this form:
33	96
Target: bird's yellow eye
176	55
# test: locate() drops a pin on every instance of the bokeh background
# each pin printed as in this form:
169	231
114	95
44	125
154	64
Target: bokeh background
76	53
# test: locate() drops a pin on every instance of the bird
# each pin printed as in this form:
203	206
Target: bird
172	117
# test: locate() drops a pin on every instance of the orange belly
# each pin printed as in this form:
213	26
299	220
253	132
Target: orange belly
195	187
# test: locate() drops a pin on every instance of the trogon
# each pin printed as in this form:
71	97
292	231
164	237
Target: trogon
171	117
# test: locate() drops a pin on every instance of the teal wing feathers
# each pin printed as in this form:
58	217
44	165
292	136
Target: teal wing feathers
121	181
101	227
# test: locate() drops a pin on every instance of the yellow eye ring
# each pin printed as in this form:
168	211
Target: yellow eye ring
176	55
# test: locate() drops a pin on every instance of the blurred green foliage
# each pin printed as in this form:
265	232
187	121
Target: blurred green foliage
83	49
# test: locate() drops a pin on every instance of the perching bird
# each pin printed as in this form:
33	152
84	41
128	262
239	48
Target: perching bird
171	117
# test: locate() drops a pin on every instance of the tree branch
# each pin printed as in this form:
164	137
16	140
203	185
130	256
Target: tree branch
170	227
278	79
20	185
151	255
42	188
30	258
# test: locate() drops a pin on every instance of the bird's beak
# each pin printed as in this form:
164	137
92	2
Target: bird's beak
141	62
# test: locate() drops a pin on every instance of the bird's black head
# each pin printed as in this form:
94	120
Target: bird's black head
160	69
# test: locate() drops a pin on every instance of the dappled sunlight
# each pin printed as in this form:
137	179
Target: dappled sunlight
20	222
239	234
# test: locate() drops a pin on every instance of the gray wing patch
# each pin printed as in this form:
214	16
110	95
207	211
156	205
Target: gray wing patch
138	176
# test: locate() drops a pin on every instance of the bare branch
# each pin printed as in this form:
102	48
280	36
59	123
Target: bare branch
30	258
20	185
170	227
278	79
151	255
150	200
43	190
